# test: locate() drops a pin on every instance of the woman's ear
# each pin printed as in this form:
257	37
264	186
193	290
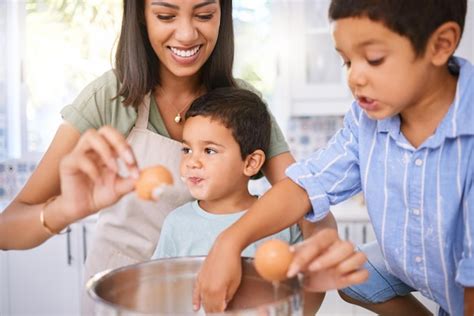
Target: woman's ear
443	42
254	162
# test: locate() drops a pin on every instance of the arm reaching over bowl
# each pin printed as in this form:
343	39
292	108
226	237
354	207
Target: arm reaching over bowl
220	274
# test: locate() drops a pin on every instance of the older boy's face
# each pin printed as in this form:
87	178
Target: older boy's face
211	164
383	72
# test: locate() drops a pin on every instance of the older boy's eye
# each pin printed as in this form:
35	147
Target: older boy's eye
375	62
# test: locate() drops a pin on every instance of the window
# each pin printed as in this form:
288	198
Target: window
78	47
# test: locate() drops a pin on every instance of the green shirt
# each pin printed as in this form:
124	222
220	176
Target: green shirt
97	106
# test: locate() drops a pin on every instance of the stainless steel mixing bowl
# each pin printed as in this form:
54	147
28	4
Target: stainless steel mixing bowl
164	287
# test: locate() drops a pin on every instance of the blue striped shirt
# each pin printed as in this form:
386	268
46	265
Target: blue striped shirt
420	200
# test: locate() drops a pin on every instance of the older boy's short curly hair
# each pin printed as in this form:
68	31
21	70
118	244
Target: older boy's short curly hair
241	111
415	19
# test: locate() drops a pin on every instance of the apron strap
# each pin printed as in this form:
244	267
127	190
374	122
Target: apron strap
143	113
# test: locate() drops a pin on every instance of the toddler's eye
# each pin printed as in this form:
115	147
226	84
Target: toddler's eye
185	150
210	151
375	62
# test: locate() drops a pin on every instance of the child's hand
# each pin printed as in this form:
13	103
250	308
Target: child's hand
218	279
328	262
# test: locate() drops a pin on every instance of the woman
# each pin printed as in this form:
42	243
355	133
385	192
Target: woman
169	53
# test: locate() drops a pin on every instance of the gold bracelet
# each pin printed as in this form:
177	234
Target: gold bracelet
43	223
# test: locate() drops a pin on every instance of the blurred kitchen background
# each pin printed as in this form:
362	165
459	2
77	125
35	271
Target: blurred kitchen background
51	49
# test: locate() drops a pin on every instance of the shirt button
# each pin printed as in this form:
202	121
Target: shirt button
418	259
416	211
418	162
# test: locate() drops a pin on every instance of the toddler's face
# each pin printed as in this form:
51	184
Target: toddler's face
383	72
211	164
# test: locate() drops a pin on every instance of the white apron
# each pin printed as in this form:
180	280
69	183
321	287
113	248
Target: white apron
128	231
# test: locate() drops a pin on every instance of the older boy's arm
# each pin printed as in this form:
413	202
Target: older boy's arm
309	228
280	207
469	301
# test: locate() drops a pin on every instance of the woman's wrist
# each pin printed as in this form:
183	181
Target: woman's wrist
52	216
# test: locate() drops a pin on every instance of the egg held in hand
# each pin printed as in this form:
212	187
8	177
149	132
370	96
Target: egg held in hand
272	259
151	179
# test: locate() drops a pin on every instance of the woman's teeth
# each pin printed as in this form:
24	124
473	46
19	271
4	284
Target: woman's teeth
185	53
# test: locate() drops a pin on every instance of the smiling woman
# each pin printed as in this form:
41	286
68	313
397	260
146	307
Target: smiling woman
168	53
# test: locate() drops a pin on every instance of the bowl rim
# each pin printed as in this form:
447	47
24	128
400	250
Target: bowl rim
92	283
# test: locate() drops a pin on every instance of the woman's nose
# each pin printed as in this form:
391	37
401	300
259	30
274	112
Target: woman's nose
186	32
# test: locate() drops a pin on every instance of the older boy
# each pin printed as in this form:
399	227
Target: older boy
407	143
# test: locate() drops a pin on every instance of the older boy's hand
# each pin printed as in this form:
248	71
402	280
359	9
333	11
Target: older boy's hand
218	279
328	262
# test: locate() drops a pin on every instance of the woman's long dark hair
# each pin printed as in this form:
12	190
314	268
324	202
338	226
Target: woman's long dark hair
137	66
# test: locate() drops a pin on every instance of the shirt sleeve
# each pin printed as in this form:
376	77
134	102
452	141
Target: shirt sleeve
98	104
166	247
330	175
465	271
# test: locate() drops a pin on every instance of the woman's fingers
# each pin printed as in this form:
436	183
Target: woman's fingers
120	145
124	185
109	145
74	163
98	144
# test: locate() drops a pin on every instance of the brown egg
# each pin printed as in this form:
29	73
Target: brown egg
150	179
272	259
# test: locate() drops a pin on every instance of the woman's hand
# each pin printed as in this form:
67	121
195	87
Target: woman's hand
218	278
89	173
328	262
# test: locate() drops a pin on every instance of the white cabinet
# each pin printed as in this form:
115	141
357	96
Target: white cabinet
466	47
46	280
317	78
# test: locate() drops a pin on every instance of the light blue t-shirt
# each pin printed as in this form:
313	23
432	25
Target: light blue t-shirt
191	231
420	200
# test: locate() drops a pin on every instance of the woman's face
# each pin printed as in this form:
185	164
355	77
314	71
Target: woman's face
183	33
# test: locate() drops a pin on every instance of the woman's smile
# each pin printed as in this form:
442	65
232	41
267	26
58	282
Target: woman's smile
185	56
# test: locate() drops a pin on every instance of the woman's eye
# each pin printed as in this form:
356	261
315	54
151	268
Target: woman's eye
185	150
164	17
375	62
346	64
205	17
